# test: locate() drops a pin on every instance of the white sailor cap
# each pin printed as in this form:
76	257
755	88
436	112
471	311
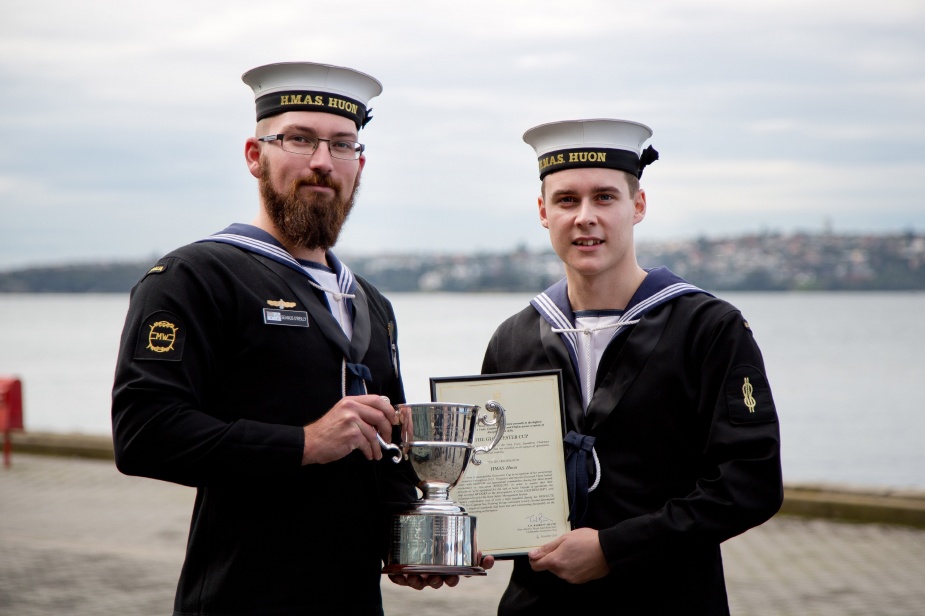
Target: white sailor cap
309	86
574	144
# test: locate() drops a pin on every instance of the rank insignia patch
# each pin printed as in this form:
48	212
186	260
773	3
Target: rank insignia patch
748	396
158	268
161	336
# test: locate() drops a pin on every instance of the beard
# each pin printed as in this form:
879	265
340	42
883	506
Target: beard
307	219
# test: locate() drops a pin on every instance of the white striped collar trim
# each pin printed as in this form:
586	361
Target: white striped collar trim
258	241
553	304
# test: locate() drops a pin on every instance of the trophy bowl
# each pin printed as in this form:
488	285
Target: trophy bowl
435	535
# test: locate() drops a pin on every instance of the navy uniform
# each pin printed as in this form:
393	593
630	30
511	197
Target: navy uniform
672	441
229	348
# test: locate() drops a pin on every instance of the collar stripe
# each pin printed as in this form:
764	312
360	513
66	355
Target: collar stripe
247	237
663	285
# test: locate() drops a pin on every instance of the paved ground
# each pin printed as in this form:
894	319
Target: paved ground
78	539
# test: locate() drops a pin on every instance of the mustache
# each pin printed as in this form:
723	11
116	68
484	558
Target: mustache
317	179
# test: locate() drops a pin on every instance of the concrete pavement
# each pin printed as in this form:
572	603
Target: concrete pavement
78	538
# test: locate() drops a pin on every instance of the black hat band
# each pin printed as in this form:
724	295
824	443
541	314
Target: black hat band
302	100
582	158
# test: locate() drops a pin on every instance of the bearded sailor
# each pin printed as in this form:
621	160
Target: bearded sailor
672	441
276	391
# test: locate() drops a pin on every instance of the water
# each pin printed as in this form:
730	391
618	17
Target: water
845	368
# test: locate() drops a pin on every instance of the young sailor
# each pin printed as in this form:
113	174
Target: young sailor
672	441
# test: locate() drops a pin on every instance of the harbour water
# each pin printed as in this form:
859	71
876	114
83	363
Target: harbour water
846	369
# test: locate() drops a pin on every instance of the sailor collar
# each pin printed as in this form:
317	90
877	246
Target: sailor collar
258	241
659	286
354	375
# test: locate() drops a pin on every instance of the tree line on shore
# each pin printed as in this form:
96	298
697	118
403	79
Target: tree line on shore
759	262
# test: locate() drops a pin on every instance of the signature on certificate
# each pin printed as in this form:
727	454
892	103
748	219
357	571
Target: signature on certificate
538	518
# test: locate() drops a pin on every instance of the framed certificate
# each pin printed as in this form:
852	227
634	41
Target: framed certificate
518	494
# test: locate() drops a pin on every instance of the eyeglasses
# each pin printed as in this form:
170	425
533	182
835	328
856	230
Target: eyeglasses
305	145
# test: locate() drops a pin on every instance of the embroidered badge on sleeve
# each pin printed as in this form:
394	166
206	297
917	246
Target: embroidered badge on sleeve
161	336
748	396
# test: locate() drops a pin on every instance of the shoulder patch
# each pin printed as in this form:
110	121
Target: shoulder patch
748	396
161	336
158	268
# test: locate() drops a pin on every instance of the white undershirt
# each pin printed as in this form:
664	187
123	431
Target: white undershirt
595	330
327	280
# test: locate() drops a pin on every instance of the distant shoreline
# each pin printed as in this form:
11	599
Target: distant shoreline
760	262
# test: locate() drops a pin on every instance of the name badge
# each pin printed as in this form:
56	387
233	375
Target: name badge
293	318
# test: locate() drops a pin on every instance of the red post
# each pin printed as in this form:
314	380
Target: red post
10	413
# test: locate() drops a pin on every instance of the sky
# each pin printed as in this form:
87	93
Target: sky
124	122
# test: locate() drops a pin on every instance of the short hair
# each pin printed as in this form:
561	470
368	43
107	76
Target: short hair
633	183
261	129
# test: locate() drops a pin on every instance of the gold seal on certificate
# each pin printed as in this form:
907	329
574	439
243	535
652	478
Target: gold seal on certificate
436	535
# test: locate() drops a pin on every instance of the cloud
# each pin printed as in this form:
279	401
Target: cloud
125	121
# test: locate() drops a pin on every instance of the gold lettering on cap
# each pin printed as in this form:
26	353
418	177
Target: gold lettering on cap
299	99
338	103
587	157
551	160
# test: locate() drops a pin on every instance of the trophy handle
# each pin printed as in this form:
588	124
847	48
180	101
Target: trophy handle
499	419
390	447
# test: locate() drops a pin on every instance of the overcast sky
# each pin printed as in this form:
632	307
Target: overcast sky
124	122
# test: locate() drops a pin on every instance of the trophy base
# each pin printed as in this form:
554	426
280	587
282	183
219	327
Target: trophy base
432	570
433	544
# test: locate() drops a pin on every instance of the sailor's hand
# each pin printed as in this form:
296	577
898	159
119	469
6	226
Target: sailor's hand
576	557
420	582
352	424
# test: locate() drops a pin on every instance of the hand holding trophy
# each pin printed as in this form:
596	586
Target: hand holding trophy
435	535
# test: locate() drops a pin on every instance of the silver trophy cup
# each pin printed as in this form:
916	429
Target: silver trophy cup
435	535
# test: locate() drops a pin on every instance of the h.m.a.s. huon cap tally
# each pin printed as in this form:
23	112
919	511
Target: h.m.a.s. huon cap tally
576	144
309	86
